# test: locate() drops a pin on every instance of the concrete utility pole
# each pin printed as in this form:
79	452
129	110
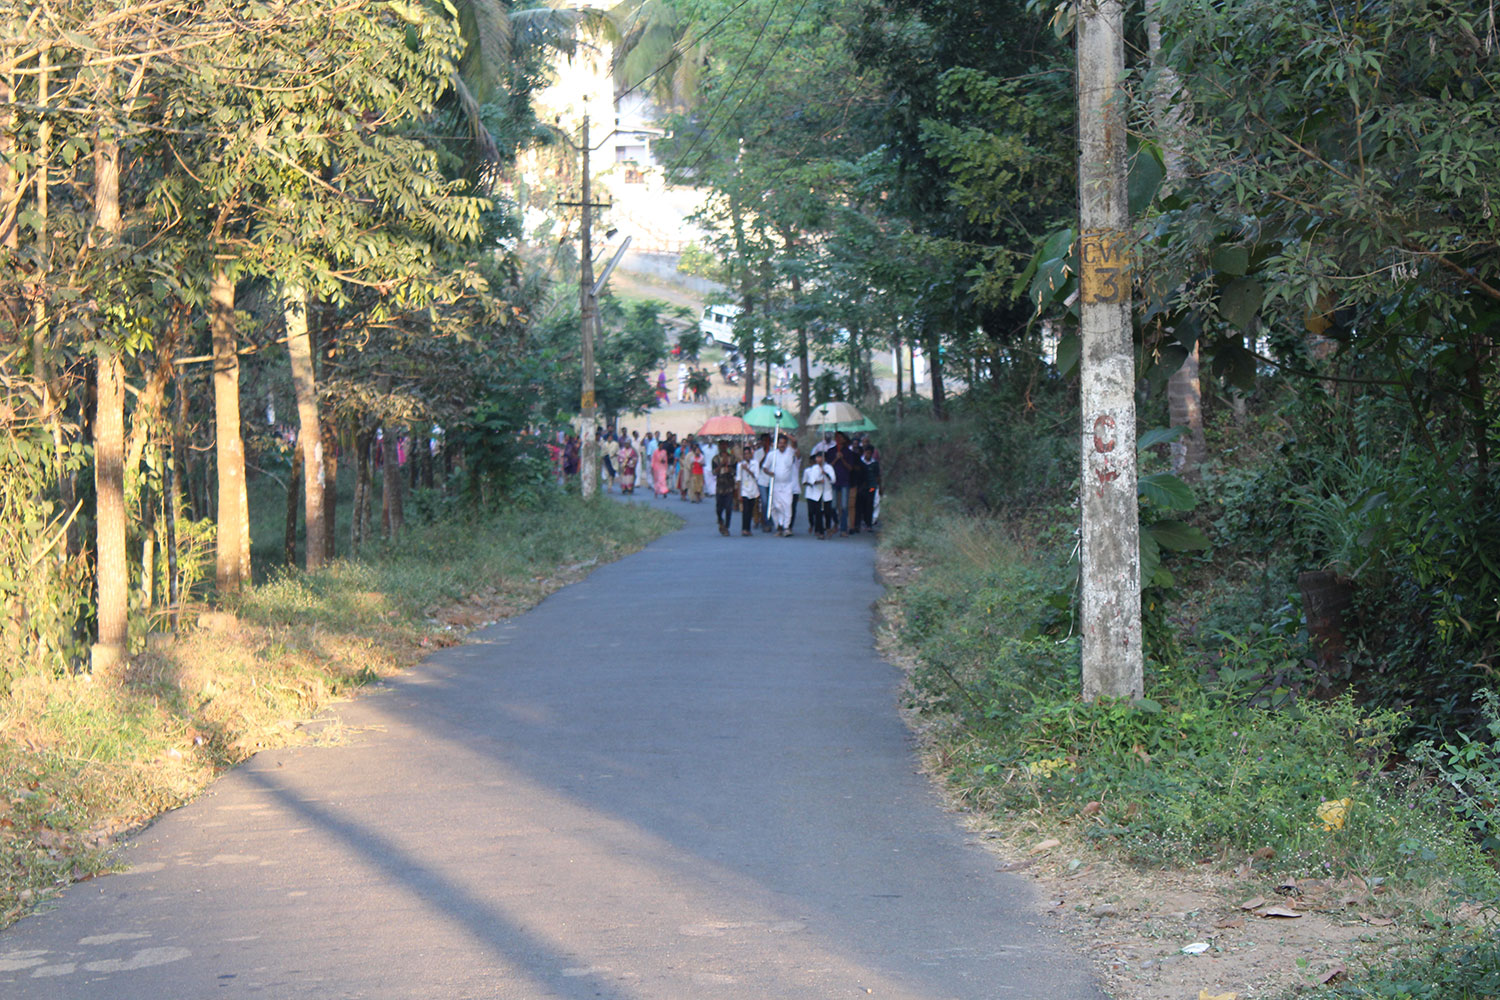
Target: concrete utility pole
1111	625
588	308
588	465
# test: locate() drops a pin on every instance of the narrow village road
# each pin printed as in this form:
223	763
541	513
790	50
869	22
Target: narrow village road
683	778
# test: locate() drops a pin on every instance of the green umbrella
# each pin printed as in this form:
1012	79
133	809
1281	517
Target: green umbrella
767	415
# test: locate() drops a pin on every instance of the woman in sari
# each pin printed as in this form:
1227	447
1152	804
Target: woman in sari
659	465
629	459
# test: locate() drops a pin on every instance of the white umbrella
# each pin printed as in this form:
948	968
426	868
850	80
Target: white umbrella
837	412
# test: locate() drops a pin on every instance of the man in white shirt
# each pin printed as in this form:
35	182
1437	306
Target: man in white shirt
763	479
817	487
824	444
781	467
744	476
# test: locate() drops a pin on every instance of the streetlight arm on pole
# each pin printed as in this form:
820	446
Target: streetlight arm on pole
609	268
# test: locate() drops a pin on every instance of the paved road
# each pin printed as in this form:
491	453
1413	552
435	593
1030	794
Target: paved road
683	778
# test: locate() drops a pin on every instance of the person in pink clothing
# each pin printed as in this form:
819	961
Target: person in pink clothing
659	464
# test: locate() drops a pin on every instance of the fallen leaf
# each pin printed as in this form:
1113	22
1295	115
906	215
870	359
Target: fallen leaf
1278	911
1092	809
1229	923
1205	995
1332	974
1253	903
1263	853
1045	845
1376	921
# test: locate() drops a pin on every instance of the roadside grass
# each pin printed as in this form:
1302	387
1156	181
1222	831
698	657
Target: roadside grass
1195	774
81	763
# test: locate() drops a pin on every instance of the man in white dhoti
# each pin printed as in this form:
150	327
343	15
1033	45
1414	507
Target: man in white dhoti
781	466
710	449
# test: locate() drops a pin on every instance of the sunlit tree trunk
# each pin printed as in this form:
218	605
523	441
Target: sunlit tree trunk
112	570
1184	386
232	564
14	306
309	431
112	574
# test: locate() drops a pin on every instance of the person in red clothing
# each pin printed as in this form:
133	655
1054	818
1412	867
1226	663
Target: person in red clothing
695	474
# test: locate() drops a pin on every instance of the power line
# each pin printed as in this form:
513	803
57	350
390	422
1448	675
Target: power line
679	52
753	83
724	95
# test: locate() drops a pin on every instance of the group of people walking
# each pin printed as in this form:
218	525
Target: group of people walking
838	478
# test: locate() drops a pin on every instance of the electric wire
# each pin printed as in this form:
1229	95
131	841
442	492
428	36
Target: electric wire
744	64
681	49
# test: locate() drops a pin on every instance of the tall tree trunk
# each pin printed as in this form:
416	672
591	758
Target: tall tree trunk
359	528
425	454
41	335
330	490
854	364
413	474
804	369
1184	386
1185	409
935	374
232	566
309	430
172	499
393	510
293	494
112	570
900	398
367	506
112	573
13	305
148	548
1110	548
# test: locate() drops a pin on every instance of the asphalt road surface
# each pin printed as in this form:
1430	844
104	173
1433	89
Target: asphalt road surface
683	778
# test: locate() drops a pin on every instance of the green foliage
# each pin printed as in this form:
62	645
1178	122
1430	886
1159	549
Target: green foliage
1191	771
1221	759
1462	969
44	591
1470	766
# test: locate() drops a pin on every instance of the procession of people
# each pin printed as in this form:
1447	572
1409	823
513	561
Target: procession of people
837	480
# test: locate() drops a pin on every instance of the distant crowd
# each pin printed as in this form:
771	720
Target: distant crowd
838	480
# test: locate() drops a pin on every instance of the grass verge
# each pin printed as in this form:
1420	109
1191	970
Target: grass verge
1309	806
81	763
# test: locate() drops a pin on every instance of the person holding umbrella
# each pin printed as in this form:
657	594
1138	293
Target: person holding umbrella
724	492
780	467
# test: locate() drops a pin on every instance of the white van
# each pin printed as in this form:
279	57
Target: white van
717	323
